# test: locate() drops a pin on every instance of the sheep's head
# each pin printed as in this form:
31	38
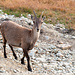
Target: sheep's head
37	21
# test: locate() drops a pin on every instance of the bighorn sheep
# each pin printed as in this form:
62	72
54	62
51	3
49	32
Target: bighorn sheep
19	36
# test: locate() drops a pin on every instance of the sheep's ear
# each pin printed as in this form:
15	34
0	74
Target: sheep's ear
44	18
32	17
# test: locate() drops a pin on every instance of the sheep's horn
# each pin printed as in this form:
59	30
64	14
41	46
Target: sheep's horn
41	14
34	13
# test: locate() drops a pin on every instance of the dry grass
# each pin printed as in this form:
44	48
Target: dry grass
62	5
60	9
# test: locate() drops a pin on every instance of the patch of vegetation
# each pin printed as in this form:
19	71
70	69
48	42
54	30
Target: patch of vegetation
58	11
11	12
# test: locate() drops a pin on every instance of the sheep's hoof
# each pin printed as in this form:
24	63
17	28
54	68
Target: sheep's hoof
29	69
5	56
22	63
16	58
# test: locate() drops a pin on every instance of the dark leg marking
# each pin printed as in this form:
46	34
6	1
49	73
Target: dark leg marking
22	61
13	52
5	56
28	60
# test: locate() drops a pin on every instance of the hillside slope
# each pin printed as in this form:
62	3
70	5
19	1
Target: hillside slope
53	54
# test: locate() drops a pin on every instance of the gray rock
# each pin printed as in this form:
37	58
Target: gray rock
52	46
66	36
0	10
3	16
47	37
15	71
30	22
58	26
65	31
59	68
54	51
58	59
2	19
41	59
19	49
29	16
64	46
0	48
1	41
49	51
60	42
73	37
66	56
65	64
59	54
32	53
1	71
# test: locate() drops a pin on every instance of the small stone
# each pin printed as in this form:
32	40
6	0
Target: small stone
66	36
65	30
47	37
1	41
45	65
2	71
15	71
60	42
58	26
58	59
0	48
36	44
32	53
41	59
48	60
19	49
66	56
40	65
49	51
73	37
64	46
59	54
52	47
52	55
54	51
65	64
29	16
59	68
54	64
2	19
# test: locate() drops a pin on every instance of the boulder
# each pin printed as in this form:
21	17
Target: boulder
64	46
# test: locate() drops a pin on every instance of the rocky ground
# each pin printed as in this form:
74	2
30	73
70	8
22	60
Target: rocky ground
53	54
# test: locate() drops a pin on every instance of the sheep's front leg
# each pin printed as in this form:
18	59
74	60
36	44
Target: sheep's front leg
28	60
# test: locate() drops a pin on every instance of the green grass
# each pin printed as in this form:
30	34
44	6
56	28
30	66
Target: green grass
18	13
53	17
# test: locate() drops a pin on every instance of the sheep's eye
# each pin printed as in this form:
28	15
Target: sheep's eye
33	21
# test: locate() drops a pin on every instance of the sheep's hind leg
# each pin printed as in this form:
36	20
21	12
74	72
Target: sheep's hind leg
13	52
5	56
